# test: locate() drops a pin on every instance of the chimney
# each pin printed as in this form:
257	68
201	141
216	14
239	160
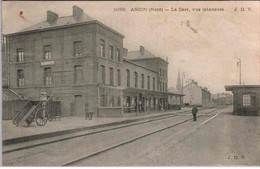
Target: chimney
125	51
142	50
51	17
77	12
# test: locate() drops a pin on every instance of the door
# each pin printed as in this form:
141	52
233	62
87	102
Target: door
79	106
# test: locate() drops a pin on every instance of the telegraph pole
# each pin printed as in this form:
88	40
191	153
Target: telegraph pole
239	65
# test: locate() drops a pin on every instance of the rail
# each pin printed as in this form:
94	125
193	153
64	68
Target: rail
73	162
125	125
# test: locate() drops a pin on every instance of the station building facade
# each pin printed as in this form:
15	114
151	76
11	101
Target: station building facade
146	83
80	62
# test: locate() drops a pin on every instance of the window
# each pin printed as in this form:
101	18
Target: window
118	77
20	78
160	72
112	102
128	78
111	52
136	79
78	50
162	86
20	57
47	52
102	48
109	97
111	76
103	74
128	101
118	55
166	87
148	82
166	73
249	100
78	74
153	83
118	101
47	76
142	80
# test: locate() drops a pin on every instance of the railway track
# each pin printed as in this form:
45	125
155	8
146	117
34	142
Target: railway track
72	136
79	159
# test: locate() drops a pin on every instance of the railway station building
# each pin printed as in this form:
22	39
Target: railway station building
83	64
246	99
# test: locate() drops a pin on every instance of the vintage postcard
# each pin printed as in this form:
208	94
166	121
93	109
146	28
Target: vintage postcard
130	83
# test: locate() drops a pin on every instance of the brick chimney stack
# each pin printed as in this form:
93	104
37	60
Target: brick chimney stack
52	17
77	12
142	49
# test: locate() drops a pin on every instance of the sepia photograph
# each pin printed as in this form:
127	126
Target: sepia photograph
130	83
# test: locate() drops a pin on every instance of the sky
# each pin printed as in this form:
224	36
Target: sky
204	45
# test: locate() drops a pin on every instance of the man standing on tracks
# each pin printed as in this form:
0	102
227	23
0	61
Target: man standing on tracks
194	113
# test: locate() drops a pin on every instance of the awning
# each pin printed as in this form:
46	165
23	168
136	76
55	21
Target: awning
145	91
232	87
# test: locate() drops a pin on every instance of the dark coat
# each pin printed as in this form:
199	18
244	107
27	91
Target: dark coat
194	110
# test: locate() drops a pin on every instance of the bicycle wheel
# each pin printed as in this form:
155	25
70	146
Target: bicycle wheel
41	118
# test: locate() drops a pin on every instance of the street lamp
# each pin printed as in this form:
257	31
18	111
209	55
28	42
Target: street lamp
239	65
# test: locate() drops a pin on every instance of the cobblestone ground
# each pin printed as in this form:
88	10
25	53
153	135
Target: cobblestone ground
224	141
221	141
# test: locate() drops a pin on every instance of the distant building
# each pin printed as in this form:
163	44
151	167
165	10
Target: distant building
222	99
246	99
196	95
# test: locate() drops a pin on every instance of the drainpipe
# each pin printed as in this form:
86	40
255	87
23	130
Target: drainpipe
8	59
98	100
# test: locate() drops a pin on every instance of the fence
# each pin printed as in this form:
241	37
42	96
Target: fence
54	107
12	107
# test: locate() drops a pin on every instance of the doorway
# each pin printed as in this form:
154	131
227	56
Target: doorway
79	106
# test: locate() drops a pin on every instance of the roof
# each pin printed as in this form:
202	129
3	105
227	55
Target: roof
138	90
232	87
136	64
176	94
196	84
192	82
61	21
65	21
136	55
